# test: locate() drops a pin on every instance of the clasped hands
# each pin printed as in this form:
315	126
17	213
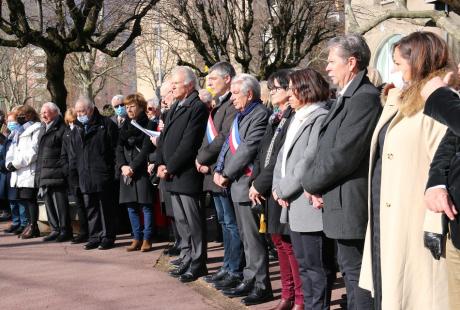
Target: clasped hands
163	173
315	200
127	171
220	180
201	168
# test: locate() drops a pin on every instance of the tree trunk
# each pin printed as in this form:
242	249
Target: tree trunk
55	76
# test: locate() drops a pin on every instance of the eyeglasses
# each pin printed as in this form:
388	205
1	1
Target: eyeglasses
118	105
276	88
150	109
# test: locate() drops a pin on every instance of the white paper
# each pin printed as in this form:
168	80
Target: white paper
149	133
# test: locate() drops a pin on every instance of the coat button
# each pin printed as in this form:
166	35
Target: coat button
388	205
390	156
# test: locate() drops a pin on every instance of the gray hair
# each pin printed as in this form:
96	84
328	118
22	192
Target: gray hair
223	68
352	45
52	106
190	76
155	102
205	95
89	104
248	82
118	97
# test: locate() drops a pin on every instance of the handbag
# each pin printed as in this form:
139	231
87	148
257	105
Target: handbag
435	243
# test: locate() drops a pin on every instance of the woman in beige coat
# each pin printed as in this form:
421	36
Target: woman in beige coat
397	268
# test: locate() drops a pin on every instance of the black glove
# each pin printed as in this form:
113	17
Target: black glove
434	242
10	167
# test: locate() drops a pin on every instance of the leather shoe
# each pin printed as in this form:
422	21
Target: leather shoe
176	262
192	276
243	289
230	281
51	237
180	270
174	251
11	229
19	231
219	275
257	296
91	245
64	237
285	304
106	244
79	239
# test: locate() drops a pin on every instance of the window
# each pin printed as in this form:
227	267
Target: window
384	59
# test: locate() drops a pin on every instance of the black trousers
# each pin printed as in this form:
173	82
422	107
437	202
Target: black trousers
81	213
57	209
349	257
100	213
315	256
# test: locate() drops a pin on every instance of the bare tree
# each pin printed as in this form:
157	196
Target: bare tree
400	11
21	75
91	71
61	27
260	35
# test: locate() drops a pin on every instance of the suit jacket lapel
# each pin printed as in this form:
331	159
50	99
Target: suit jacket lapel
310	120
333	112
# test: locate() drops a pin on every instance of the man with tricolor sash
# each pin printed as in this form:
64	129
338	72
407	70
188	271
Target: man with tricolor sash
233	171
218	127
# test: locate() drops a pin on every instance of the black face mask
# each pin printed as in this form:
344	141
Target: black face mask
21	120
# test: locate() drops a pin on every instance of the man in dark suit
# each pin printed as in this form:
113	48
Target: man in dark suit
339	171
120	110
234	171
94	139
177	149
49	173
443	188
219	122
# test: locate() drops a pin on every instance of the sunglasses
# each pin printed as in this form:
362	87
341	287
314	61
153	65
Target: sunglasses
150	109
118	105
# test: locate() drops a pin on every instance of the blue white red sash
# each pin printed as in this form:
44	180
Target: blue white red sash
211	131
234	142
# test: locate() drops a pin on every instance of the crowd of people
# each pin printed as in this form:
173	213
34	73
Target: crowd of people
364	181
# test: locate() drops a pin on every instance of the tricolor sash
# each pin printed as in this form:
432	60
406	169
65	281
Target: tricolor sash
211	131
234	142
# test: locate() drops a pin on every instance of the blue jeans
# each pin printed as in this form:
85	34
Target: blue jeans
19	213
232	242
133	210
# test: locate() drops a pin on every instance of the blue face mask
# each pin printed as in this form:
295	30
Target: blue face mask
121	111
83	119
12	126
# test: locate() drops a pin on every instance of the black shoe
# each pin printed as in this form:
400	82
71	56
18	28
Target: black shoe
180	270
257	296
91	245
190	276
243	289
51	237
176	262
64	237
229	282
215	277
106	244
79	239
11	229
174	251
19	230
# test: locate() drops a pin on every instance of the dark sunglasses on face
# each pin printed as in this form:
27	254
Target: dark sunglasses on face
118	105
150	109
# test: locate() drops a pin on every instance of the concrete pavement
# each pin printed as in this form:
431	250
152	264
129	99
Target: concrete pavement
38	275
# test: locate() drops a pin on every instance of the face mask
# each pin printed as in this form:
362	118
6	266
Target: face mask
83	119
12	126
121	111
397	79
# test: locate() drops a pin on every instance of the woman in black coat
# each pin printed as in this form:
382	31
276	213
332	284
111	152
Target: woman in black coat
261	189
136	191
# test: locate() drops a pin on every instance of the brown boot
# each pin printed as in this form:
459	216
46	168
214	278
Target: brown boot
135	246
32	232
146	246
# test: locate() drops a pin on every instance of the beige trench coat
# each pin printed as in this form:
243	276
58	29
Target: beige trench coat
411	278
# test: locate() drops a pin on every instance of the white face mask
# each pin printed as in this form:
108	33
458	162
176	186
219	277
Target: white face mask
397	79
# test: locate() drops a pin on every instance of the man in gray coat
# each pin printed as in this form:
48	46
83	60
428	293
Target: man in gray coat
233	170
339	171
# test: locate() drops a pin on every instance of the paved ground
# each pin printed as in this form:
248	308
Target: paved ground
37	275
